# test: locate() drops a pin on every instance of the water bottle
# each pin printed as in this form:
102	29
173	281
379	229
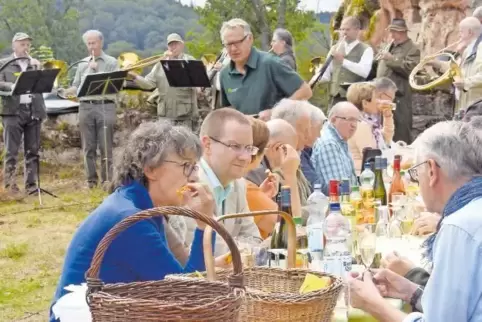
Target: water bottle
337	258
317	204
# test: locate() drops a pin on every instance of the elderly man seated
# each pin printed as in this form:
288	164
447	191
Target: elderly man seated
448	169
331	156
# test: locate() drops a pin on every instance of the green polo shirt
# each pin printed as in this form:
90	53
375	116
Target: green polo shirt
267	80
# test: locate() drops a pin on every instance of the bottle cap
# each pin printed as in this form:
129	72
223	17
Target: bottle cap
317	186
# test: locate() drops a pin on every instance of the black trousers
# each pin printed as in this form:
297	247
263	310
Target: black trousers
16	127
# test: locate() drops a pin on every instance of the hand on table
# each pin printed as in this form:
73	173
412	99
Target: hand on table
398	264
426	223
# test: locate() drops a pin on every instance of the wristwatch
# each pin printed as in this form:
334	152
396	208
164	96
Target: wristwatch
415	301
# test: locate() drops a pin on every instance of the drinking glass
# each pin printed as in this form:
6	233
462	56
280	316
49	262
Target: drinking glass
398	201
367	245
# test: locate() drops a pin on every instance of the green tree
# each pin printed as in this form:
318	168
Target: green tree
262	15
49	22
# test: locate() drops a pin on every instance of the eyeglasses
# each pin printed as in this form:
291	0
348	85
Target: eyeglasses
188	167
238	148
413	172
235	43
349	119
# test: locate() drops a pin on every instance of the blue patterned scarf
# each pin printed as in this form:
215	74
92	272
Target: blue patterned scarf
463	196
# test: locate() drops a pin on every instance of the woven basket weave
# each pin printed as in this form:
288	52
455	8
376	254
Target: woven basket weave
272	294
165	300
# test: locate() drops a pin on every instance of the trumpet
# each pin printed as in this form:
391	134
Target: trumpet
384	50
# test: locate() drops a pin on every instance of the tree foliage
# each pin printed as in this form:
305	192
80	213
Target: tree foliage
49	22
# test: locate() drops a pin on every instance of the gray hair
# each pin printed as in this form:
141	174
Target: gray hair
233	24
92	32
478	13
284	35
290	111
316	114
455	146
472	24
338	107
384	84
148	146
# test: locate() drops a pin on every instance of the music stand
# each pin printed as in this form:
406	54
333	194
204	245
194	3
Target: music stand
185	73
103	86
36	82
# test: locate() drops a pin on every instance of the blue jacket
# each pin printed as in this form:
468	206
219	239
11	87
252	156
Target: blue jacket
140	253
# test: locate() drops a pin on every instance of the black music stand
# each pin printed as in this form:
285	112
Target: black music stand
185	73
36	82
103	86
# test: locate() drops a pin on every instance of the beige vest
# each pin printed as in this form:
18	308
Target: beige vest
342	75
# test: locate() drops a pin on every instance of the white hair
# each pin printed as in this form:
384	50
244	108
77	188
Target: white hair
472	24
233	24
338	107
316	114
455	146
92	32
477	13
290	111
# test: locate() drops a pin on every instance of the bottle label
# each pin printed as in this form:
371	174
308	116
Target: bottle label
285	197
315	237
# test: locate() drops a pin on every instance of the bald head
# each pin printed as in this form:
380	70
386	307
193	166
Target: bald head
280	131
344	116
471	25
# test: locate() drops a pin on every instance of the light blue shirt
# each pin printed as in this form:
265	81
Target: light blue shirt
219	191
454	290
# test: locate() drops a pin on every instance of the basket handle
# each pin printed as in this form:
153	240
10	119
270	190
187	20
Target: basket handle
209	259
235	280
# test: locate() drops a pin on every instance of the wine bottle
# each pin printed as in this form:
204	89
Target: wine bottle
397	185
379	190
282	234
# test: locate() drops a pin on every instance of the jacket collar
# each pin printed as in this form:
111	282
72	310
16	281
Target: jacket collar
252	61
137	193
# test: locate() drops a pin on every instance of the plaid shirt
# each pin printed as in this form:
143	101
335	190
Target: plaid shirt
332	158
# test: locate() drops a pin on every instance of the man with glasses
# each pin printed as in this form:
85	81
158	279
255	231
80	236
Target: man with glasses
255	81
227	140
448	170
331	156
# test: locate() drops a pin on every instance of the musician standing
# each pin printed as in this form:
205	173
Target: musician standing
97	117
397	63
282	45
352	60
178	104
255	81
21	116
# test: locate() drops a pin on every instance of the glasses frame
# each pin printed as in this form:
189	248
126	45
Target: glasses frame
235	43
348	119
413	172
236	148
187	168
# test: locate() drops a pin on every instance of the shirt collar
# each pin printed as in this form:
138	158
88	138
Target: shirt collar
252	61
349	47
219	191
101	56
334	133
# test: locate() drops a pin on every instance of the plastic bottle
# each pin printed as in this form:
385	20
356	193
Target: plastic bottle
317	204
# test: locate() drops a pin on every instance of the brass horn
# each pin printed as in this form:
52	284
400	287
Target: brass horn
316	63
209	60
57	64
451	70
145	62
128	59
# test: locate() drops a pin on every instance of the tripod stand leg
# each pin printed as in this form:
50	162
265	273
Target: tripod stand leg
106	156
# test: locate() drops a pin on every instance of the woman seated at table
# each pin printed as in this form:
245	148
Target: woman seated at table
157	160
370	132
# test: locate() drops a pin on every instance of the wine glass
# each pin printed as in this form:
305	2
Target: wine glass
398	200
367	245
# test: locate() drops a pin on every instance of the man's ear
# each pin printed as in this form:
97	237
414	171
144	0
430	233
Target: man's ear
206	144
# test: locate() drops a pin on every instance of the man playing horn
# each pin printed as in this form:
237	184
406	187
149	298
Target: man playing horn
397	63
178	104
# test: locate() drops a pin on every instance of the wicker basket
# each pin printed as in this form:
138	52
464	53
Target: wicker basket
272	294
165	300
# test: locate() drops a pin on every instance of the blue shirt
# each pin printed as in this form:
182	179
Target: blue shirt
454	290
307	167
332	158
140	253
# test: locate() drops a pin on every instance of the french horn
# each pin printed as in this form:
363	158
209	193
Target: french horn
450	68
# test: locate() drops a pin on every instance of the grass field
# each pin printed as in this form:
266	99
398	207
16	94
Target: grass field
33	240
